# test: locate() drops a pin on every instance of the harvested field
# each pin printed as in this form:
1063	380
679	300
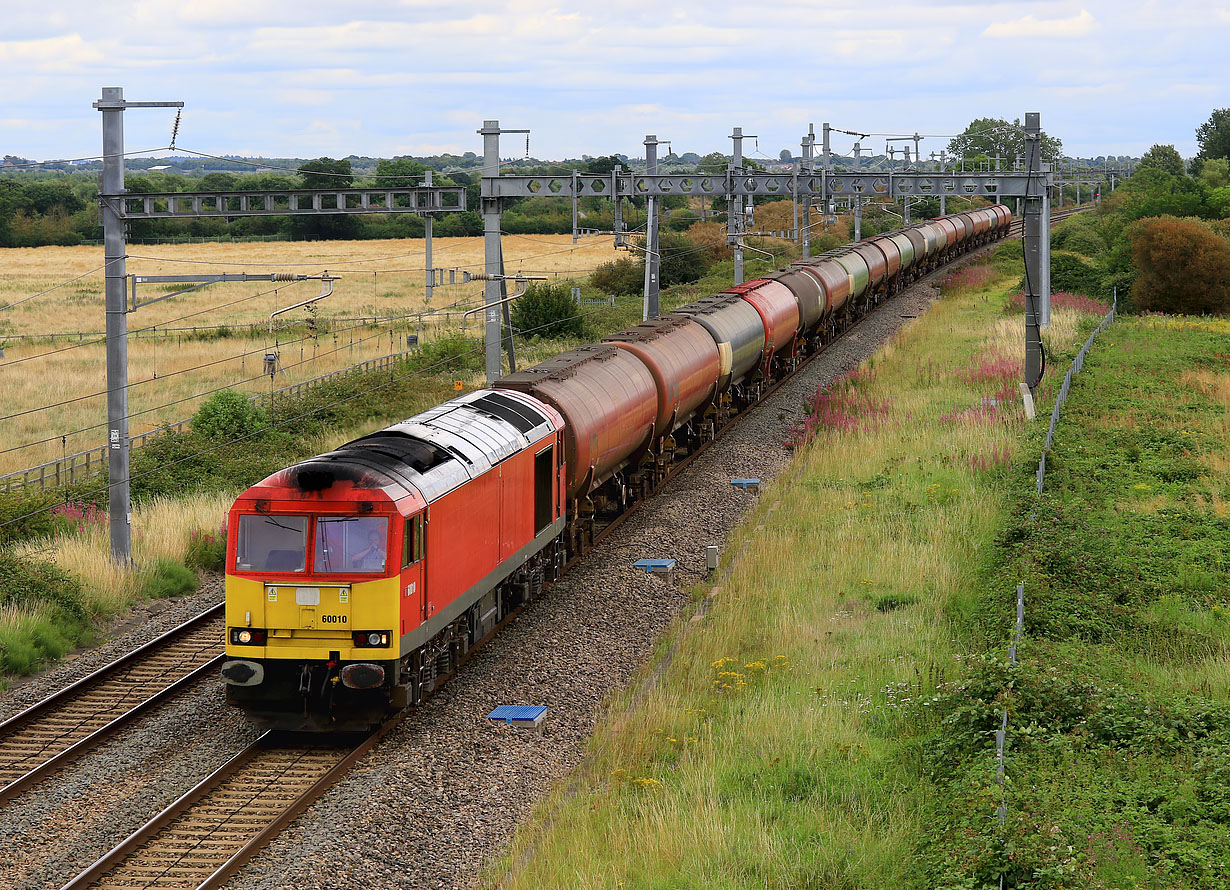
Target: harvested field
174	357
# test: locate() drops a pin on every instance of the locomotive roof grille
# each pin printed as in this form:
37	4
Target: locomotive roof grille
509	410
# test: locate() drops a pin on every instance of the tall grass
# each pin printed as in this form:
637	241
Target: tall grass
780	747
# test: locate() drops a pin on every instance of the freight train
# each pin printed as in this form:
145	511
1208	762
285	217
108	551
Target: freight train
356	580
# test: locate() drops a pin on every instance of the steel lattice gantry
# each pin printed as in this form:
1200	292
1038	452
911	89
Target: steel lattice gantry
286	202
1032	186
818	185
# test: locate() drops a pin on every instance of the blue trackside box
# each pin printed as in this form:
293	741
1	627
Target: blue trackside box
654	565
519	715
746	484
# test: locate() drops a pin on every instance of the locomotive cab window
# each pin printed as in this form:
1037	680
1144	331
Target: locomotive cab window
412	543
351	544
271	543
544	476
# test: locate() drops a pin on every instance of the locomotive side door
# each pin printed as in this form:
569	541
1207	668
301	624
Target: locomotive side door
413	574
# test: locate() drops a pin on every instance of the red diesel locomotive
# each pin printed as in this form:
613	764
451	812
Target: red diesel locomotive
357	579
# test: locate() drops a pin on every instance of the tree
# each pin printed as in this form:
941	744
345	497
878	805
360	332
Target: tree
547	310
219	182
1152	191
994	137
402	173
681	259
1163	157
1182	267
326	173
1215	173
603	166
1214	135
785	155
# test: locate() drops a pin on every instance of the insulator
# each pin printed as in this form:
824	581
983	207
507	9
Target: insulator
283	276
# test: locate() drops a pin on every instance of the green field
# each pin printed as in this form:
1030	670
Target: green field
830	723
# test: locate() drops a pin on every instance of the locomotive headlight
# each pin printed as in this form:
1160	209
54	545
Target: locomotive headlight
245	636
375	639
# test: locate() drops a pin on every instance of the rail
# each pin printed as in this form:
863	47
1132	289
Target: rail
209	833
44	737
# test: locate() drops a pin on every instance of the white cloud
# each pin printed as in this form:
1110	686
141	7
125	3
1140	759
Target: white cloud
1078	25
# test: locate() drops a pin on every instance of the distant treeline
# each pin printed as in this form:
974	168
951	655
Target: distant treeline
57	204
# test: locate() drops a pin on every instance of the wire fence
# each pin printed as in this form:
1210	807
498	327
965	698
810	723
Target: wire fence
81	465
1001	734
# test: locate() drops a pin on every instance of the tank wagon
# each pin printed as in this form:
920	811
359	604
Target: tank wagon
356	580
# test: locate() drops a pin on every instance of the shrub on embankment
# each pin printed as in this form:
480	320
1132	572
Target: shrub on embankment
42	613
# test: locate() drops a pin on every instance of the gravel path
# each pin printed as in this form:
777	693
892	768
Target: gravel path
445	790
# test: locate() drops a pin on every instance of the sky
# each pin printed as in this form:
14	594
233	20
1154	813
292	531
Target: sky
305	78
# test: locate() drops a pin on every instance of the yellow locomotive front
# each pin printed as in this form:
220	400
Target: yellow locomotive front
314	596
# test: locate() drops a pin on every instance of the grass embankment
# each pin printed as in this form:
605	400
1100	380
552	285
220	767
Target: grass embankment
1119	743
789	742
184	483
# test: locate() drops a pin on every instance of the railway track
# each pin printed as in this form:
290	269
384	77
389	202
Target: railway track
1017	226
46	736
208	834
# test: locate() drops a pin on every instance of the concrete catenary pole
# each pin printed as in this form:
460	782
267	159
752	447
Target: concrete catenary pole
1035	201
734	205
827	160
809	164
652	254
115	249
858	199
943	168
492	250
430	272
119	503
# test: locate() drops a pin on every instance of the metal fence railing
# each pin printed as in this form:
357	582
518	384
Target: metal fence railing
81	465
1001	734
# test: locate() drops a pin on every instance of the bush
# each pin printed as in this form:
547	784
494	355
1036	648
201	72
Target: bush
206	549
52	599
168	578
1078	238
1070	273
448	354
682	259
227	415
547	310
826	241
619	277
1182	267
